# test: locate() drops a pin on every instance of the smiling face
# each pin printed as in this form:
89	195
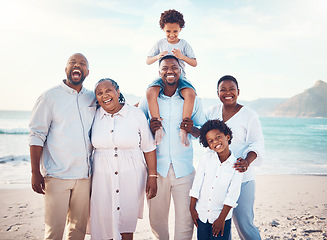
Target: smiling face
228	92
77	70
172	31
169	71
218	141
108	96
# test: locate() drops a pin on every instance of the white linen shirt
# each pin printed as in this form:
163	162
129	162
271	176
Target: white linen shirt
215	184
247	135
60	123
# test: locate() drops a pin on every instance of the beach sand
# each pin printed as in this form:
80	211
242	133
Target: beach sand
286	207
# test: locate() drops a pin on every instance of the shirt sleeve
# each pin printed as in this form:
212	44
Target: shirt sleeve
198	179
154	50
198	116
147	141
234	190
189	51
40	122
255	140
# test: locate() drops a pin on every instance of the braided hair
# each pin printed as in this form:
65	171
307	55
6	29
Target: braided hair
121	98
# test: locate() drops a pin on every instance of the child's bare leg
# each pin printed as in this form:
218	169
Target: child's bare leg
152	96
189	98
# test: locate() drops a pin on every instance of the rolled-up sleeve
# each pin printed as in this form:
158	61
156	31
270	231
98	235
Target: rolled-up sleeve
40	122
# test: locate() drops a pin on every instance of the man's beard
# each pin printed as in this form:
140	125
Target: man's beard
76	83
170	83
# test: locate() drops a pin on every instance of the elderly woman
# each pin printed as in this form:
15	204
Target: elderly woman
124	166
247	145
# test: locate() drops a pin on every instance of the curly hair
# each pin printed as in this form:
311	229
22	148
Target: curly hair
171	16
214	124
121	98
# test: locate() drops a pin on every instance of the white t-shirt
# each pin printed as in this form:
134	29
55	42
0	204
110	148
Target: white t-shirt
164	45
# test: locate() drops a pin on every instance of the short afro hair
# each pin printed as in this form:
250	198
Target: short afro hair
214	124
169	57
227	78
171	16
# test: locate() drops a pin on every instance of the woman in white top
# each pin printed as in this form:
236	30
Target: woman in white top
124	165
247	146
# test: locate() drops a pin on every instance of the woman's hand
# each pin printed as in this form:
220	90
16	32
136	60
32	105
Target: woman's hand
151	187
241	165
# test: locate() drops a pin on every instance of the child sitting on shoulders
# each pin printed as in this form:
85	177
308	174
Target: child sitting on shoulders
216	186
172	22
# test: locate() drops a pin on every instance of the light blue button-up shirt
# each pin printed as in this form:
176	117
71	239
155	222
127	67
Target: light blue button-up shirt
61	122
171	150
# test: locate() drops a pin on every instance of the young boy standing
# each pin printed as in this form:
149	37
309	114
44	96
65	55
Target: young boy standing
216	185
172	22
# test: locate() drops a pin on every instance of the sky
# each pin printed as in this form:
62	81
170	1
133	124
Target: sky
275	48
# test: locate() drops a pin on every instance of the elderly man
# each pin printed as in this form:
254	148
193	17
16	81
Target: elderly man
60	151
174	161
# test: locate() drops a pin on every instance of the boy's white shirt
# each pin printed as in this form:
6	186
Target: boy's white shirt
215	184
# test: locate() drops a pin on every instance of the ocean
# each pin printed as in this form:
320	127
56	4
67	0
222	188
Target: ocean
292	146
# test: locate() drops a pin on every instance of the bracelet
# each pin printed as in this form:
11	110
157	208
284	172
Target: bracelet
156	176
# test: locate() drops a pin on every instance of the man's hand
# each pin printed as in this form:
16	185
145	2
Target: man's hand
38	183
155	124
187	125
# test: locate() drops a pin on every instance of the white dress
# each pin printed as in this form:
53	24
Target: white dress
119	171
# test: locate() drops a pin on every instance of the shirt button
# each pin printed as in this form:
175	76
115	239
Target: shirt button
118	208
116	172
208	210
209	199
117	191
212	187
111	131
116	155
116	148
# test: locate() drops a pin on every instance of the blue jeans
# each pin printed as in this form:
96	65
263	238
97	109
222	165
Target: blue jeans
243	214
205	231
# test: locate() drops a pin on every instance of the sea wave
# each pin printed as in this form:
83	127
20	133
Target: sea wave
14	131
319	127
15	159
